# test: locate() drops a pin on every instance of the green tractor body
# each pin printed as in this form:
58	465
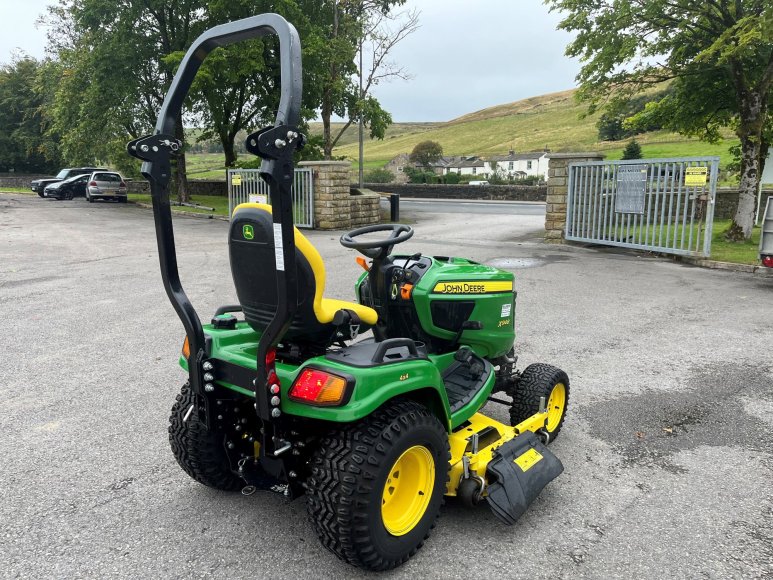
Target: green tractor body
446	293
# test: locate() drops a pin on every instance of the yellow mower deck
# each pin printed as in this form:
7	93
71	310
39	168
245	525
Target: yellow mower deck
491	435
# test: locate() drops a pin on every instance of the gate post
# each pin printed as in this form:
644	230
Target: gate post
558	189
332	208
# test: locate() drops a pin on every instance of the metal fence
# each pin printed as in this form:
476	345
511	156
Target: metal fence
660	205
246	185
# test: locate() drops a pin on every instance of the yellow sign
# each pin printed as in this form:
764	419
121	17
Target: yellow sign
473	287
696	176
236	179
527	460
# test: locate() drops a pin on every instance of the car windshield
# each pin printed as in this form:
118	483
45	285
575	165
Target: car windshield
113	177
63	174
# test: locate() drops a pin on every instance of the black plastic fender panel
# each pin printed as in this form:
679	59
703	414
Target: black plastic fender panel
518	472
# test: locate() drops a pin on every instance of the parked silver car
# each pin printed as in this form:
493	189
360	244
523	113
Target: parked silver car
106	185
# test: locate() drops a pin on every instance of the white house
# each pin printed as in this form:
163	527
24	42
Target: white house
518	165
467	166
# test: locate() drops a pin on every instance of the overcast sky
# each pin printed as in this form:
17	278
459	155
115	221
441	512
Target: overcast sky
466	56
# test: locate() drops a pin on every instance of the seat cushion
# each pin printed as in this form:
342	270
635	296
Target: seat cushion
329	306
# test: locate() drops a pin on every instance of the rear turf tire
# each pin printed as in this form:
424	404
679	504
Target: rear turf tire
536	381
387	471
199	452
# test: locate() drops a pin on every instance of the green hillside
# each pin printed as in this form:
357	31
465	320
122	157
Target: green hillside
554	121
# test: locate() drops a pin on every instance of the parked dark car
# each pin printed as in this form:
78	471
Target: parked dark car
39	185
68	188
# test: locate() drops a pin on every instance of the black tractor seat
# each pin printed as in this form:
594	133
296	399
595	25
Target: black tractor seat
253	267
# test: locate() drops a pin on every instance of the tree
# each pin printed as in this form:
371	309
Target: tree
24	144
237	87
632	150
717	56
116	64
354	26
426	152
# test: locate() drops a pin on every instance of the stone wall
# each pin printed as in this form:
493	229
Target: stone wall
335	206
555	210
459	191
20	181
195	186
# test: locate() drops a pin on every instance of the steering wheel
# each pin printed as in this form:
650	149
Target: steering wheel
377	249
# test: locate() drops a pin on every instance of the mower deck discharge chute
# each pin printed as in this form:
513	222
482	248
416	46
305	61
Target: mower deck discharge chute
283	393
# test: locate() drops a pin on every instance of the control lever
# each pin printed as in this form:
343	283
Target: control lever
467	325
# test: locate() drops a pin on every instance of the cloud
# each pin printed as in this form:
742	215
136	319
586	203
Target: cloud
470	55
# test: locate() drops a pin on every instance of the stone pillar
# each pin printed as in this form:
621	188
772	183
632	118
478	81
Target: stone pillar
332	207
558	176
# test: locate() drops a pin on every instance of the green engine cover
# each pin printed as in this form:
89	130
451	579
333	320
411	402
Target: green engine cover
453	290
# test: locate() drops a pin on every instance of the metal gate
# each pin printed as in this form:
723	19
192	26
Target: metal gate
246	185
660	205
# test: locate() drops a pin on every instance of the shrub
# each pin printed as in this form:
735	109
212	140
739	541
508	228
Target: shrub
632	150
379	176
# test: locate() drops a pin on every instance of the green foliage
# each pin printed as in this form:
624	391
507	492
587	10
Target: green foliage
717	56
452	178
379	176
416	175
426	152
24	145
632	150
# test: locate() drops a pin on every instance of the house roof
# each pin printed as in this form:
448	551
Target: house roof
461	162
518	156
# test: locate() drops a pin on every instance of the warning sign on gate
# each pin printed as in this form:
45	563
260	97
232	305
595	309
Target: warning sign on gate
631	189
236	179
696	176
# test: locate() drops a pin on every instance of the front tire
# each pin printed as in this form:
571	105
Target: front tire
201	453
537	381
376	486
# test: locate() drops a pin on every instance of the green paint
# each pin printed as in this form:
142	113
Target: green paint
417	379
248	232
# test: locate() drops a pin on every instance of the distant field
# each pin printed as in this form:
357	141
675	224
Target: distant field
553	121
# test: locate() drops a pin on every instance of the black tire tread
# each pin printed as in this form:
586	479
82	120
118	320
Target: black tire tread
343	470
200	453
537	380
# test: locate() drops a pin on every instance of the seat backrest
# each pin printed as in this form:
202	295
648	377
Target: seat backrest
253	267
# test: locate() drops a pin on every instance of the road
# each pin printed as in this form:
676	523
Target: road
480	207
667	448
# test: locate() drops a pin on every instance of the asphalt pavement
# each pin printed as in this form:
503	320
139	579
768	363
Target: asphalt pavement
667	448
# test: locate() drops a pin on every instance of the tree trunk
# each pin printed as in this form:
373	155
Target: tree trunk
753	112
228	148
327	137
180	174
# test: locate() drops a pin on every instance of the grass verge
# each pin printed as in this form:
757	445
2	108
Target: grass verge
25	190
747	252
219	202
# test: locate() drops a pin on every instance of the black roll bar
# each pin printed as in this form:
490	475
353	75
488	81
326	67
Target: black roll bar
275	145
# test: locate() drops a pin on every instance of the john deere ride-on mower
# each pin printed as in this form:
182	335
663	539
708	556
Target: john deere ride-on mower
285	394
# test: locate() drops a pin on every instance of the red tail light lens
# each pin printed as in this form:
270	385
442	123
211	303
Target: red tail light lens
93	183
318	388
767	261
123	185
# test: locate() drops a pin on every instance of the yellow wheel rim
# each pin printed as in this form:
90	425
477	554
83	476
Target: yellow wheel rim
556	405
407	490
